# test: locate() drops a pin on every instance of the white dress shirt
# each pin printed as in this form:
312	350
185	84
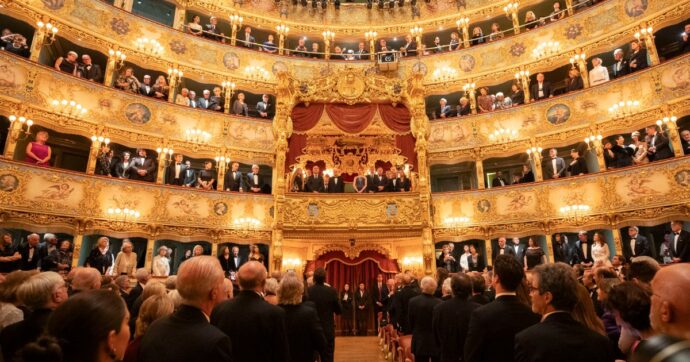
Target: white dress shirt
178	167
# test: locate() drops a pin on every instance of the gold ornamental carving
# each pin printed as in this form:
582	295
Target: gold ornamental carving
351	252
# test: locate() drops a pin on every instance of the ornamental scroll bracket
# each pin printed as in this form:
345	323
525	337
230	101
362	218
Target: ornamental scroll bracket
350	86
351	252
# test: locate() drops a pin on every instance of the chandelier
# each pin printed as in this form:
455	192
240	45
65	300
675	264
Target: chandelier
196	135
256	72
575	212
445	73
503	135
123	214
68	108
246	223
150	46
624	108
545	49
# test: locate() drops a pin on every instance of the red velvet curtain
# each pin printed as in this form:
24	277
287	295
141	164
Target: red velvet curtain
295	145
351	118
406	144
397	117
305	117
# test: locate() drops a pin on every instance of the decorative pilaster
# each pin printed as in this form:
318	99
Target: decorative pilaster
149	253
164	158
569	7
549	247
646	35
489	252
93	157
11	142
479	169
214	247
78	242
180	14
511	11
617	241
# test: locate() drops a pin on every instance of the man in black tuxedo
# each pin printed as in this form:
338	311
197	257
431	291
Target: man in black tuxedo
451	319
264	106
558	337
502	249
499	181
326	183
325	298
680	243
518	250
554	166
236	260
620	67
361	53
233	178
622	155
379	296
583	249
142	167
394	183
189	175
638	245
194	339
146	88
638	58
315	181
409	290
256	327
493	326
204	102
254	181
541	89
421	311
379	181
410	47
90	71
30	252
175	172
578	166
336	184
143	276
659	148
211	30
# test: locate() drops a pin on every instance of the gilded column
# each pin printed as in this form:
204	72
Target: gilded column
149	253
569	7
479	166
674	136
214	246
617	241
93	157
78	242
549	247
127	5
11	142
109	73
489	252
37	44
180	14
646	35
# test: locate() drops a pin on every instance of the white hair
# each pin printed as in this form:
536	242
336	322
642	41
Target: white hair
428	285
619	50
445	287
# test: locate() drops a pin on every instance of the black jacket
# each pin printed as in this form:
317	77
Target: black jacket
376	182
325	299
314	184
24	262
624	69
232	183
92	73
493	328
496	182
622	156
102	262
334	187
507	250
170	174
255	327
683	249
148	164
306	334
640	58
15	336
663	150
184	336
251	183
546	89
579	167
379	295
421	310
450	322
641	247
560	338
402	303
573	84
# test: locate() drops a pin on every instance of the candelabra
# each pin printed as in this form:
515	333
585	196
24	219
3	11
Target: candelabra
246	224
579	60
416	31
195	135
68	108
291	264
624	108
502	135
445	73
118	58
256	72
464	30
98	140
174	75
282	30
545	49
164	155
667	123
646	35
328	37
122	217
594	142
235	22
48	31
149	46
574	213
18	133
222	163
511	10
522	78
534	153
371	37
455	223
469	89
228	91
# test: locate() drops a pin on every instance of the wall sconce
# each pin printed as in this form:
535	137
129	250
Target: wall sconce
195	135
593	140
222	163
20	134
100	139
511	7
246	223
444	73
534	153
502	135
68	108
119	58
174	74
164	155
235	23
328	35
667	123
228	91
49	30
292	263
413	263
577	58
545	49
463	25
256	72
416	30
645	33
522	78
575	212
149	46
122	215
469	87
283	31
624	108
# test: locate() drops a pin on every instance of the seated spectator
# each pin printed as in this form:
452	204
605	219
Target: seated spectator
477	36
517	96
88	327
38	152
315	51
574	81
68	64
217	101
578	166
195	27
11	309
531	21
301	49
306	337
557	13
161	88
496	33
630	304
637	60
153	309
15	44
464	108
541	89
239	107
211	30
183	98
88	70
484	102
128	82
670	312
263	107
502	102
454	41
192	99
269	46
444	110
599	74
685	141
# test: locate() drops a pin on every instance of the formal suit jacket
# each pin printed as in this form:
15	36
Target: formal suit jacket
306	334
622	156
217	103
445	111
250	181
15	336
579	252
247	41
379	181
232	182
133	295
520	254
663	150
560	252
393	185
620	68
314	184
192	337
560	167
686	147
189	177
493	328
573	84
682	250
264	107
235	266
463	111
170	174
361	54
560	338
362	300
24	262
146	90
450	322
92	72
546	89
325	299
496	182
450	265
334	187
403	300
421	311
379	296
579	167
256	327
121	171
410	49
641	247
204	103
507	250
212	32
146	164
478	266
640	58
405	185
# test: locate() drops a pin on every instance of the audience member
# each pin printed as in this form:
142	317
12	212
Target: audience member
142	167
557	13
153	309
578	166
680	243
637	60
670	312
195	27
126	260
620	67
630	304
420	310
638	245
362	309
38	152
685	141
477	36
15	44
451	319
325	298
211	30
642	270
599	74
541	89
574	81
68	64
658	148
88	70
128	82
484	101
239	107
640	156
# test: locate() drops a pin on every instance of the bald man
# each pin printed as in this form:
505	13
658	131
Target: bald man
256	328
84	279
670	311
30	253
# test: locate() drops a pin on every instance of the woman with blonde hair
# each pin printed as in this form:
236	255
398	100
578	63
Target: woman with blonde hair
270	290
640	156
38	152
126	260
531	21
153	309
297	184
574	81
161	263
161	88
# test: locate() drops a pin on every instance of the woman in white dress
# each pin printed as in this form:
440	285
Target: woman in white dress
600	250
599	74
126	260
161	263
640	156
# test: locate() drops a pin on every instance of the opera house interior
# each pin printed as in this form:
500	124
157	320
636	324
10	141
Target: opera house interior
382	180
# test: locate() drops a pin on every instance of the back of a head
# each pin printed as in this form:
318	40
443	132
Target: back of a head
478	283
251	276
151	289
319	276
170	282
142	275
509	272
38	290
407	279
461	285
428	285
290	290
271	286
86	279
79	328
441	274
559	280
633	303
13	280
197	277
446	288
643	268
585	313
154	308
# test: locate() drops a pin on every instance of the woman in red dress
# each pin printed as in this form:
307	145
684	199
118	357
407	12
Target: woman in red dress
38	152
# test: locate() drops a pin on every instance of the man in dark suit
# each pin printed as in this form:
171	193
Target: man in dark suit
362	307
578	166
638	58
494	326
326	183
518	250
254	180
444	110
583	249
314	181
499	181
637	245
146	88
90	71
659	148
236	260
233	178
421	312
394	182
541	89
620	66
379	296
336	184
554	166
175	172
211	30
479	292
30	253
558	337
410	47
452	318
502	249
256	327
204	102
379	181
189	175
680	243
248	39
142	275
361	53
194	338
264	106
408	291
685	141
327	305
142	168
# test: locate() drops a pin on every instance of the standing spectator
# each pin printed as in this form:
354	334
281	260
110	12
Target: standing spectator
463	107
685	141
408	291
574	81
680	243
68	64
248	40
477	36
622	154
105	161
38	152
640	156
534	255
263	107
600	250
88	70
195	27
484	101
161	88
211	30
379	298
637	60
630	303
517	95
578	166
557	14
9	256
637	246
599	74
161	263
346	302
15	44
153	309
146	88
59	259
217	101
451	319
475	261
421	309
126	260
269	46
658	148
10	312
496	33
183	98
240	107
128	82
620	67
100	257
454	41
531	21
30	252
362	310
444	110
142	167
541	89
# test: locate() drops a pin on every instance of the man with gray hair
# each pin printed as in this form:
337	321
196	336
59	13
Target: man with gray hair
142	275
204	102
186	335
558	337
502	102
620	67
421	309
30	253
638	245
84	279
444	110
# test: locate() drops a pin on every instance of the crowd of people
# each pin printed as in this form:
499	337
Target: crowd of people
369	181
14	43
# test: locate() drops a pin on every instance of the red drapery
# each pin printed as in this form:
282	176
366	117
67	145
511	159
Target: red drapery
351	118
305	118
397	117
